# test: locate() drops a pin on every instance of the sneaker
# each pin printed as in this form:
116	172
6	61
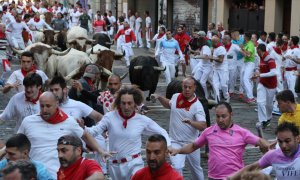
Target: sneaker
266	123
251	101
276	112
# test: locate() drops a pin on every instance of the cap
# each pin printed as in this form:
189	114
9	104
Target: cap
70	140
201	33
91	70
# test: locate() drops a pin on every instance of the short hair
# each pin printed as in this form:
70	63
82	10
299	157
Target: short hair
191	78
105	14
295	40
226	104
19	141
286	95
110	11
27	54
131	90
26	16
147	13
287	126
58	80
213	25
70	140
263	33
25	167
262	47
32	79
163	29
279	42
157	138
272	36
248	35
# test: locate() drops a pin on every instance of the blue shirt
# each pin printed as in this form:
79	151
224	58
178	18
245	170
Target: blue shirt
168	49
42	172
238	42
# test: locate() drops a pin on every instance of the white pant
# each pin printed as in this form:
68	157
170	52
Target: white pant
18	42
234	73
290	81
202	76
248	71
148	37
220	81
193	63
102	143
169	72
193	160
139	40
279	81
111	31
127	47
124	171
265	97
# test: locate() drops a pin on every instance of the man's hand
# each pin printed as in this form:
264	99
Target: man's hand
172	151
106	155
187	121
77	85
80	121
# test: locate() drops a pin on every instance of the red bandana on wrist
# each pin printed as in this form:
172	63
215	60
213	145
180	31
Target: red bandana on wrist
33	101
160	35
292	47
125	118
182	102
32	69
58	117
227	47
36	19
277	50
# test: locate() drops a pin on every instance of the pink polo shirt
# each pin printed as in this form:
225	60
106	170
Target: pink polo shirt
226	148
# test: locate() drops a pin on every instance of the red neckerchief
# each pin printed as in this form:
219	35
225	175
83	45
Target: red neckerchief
125	118
277	50
32	69
58	117
36	19
90	83
227	47
264	56
68	172
182	102
34	101
221	29
160	35
285	46
292	47
164	169
218	45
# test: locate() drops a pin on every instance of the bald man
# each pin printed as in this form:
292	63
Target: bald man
221	29
44	129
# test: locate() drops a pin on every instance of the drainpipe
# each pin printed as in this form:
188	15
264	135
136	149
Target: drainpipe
214	12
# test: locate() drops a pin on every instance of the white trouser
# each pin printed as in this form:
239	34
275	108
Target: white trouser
193	161
202	76
127	47
148	37
139	40
193	63
248	71
265	97
124	171
18	42
279	81
111	31
235	71
290	81
169	72
102	143
8	37
220	81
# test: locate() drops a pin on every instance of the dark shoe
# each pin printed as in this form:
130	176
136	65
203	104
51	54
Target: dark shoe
265	124
176	72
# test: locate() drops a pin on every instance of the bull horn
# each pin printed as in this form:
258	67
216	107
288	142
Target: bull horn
138	67
18	51
124	75
106	71
69	76
56	32
59	53
212	102
108	43
159	68
90	41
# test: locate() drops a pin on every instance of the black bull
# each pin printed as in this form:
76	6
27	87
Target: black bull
144	72
102	39
175	86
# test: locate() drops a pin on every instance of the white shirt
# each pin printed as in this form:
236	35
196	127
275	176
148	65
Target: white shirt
18	108
138	24
17	29
17	77
205	50
43	137
111	19
294	53
148	22
158	41
75	17
126	141
180	131
278	61
231	56
270	46
132	21
259	41
218	52
76	109
38	25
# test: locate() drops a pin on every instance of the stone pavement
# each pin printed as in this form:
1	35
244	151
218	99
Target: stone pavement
244	114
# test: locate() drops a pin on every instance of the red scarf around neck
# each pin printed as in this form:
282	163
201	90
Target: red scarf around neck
125	118
182	102
58	117
32	69
160	35
285	46
36	19
277	50
292	47
68	172
218	45
264	56
34	101
90	83
227	47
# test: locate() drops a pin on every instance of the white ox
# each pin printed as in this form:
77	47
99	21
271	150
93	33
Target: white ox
77	38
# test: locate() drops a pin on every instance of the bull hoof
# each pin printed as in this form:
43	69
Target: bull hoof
147	98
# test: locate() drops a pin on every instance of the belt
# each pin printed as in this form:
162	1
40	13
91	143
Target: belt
124	160
291	69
